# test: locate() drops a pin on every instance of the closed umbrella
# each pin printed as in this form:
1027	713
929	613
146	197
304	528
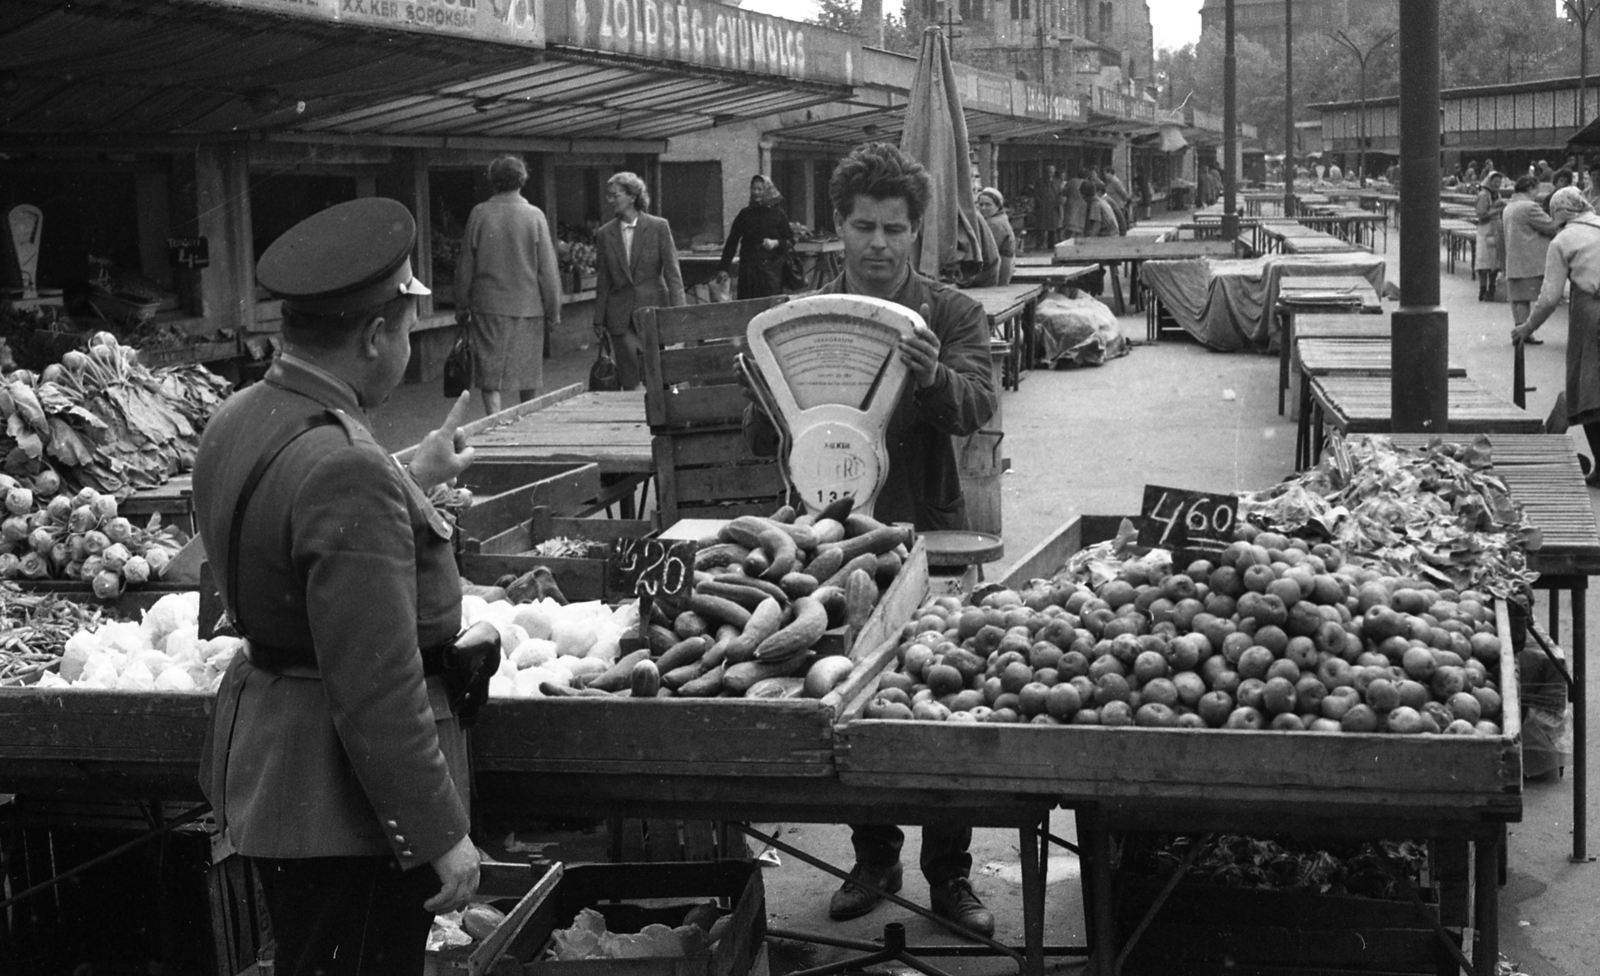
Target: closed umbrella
957	244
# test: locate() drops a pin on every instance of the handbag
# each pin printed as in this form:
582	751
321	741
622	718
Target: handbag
603	375
459	366
794	273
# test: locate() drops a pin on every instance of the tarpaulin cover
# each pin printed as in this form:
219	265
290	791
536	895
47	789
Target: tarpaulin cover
1076	332
957	244
1227	304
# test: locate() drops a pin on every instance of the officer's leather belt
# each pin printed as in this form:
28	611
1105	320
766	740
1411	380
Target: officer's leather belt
293	662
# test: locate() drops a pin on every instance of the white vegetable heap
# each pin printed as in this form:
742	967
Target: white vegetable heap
544	641
163	652
106	421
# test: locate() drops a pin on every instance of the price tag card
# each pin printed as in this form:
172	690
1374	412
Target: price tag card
1193	524
651	567
189	252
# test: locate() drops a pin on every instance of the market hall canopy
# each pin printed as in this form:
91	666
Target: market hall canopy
430	68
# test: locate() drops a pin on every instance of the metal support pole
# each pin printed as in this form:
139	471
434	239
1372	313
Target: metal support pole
1230	125
1419	341
1288	107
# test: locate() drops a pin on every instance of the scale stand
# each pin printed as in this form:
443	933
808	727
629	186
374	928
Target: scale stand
831	376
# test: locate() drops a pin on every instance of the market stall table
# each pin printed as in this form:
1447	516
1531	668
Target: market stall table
1188	781
572	424
700	266
1543	474
1317	295
1010	309
1344	357
1361	405
1116	251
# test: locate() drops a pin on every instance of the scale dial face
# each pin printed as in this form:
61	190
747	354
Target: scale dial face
826	361
832	460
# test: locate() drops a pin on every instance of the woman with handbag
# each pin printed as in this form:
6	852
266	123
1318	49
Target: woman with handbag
507	289
763	239
636	267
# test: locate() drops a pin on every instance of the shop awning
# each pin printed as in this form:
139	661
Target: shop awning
125	68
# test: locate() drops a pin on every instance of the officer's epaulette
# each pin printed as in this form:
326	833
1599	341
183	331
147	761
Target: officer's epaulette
353	428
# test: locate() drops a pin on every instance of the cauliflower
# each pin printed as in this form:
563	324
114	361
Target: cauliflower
171	613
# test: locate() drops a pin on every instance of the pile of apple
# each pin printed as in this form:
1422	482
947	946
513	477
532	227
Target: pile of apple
1277	634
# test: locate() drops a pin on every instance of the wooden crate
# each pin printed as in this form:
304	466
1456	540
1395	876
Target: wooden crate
1460	777
1203	929
695	407
710	473
634	895
505	492
693	736
129	604
102	743
580	578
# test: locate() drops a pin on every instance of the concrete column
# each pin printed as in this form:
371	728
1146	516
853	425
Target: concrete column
765	149
804	209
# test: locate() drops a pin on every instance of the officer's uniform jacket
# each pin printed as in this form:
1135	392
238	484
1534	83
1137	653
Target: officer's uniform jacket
344	564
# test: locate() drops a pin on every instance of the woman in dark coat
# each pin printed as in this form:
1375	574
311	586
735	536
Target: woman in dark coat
763	239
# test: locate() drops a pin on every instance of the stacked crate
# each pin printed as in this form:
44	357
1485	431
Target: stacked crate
695	407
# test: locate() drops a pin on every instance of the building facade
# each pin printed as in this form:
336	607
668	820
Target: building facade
1065	45
1262	20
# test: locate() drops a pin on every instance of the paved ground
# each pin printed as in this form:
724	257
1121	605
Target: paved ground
1086	441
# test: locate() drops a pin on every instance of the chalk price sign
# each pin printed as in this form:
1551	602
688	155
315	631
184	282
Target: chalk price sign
189	252
651	567
1193	524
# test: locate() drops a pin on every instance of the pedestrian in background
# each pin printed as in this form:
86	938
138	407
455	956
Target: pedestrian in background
993	207
763	239
637	267
1527	229
1074	213
507	287
1574	256
1046	209
1489	256
1102	217
1118	194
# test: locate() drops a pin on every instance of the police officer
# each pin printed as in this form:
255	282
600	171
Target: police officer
333	762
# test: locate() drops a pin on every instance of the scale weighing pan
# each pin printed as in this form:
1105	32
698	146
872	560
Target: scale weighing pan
832	366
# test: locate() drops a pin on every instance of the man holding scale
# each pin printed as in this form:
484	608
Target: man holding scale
879	196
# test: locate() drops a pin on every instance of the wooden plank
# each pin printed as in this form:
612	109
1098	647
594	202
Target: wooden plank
699	448
727	510
719	320
702	406
1090	250
579	579
564	487
506	416
700	365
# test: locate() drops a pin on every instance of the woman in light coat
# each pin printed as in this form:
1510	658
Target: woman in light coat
1527	230
1489	258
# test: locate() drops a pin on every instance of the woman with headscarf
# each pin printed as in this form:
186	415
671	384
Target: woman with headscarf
1574	256
763	239
993	207
1489	257
1527	230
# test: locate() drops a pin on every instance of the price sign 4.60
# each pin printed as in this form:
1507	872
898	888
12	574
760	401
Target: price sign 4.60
1193	524
651	567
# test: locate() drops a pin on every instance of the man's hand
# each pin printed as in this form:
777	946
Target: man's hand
920	353
457	869
444	453
1522	332
770	243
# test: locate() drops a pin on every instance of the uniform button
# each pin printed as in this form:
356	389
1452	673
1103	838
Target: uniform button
398	839
392	824
406	852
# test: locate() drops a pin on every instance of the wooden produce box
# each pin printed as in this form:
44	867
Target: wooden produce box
505	492
102	743
631	896
518	890
696	737
129	604
173	501
1203	929
1451	777
581	578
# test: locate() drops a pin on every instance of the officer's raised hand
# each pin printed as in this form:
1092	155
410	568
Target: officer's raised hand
444	453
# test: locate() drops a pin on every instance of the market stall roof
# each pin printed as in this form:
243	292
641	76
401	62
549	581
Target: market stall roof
121	67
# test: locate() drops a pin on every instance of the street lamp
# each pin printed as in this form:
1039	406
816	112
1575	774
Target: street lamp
1361	59
1581	11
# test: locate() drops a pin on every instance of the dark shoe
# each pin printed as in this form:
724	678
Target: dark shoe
955	900
854	901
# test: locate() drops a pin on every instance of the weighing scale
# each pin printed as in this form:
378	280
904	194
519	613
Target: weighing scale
829	374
